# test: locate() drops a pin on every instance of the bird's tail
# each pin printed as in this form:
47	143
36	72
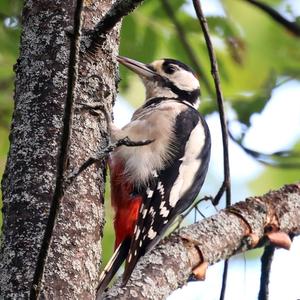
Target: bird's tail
113	265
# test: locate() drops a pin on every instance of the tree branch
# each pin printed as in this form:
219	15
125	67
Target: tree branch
293	27
233	230
215	73
226	185
280	159
118	10
224	279
103	154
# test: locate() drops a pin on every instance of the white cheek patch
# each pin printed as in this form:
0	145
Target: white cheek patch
185	80
190	164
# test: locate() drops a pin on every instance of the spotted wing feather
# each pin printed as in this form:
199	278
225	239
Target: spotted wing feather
168	193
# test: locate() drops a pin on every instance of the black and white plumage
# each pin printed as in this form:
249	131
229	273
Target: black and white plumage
166	175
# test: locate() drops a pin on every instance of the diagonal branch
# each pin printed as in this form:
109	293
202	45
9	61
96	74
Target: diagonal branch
293	27
118	10
280	159
234	230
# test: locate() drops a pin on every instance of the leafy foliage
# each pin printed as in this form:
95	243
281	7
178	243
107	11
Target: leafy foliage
252	58
255	54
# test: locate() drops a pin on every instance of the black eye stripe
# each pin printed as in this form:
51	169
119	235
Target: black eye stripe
174	62
169	69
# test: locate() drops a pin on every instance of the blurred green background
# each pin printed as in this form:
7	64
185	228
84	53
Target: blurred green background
9	48
258	58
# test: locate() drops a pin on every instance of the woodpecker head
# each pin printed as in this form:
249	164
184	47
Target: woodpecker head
167	77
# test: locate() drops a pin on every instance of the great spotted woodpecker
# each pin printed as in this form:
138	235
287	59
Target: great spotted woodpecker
152	184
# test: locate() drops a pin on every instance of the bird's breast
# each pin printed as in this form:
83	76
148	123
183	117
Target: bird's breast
156	125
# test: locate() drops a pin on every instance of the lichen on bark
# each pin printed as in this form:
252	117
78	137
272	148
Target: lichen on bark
29	181
170	264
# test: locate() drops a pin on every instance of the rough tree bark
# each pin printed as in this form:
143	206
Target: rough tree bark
31	176
235	229
31	179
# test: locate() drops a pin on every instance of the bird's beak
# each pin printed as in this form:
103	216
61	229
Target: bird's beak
137	67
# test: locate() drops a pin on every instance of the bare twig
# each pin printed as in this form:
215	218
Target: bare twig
194	206
293	27
224	279
215	73
64	150
279	159
185	43
118	10
104	153
266	262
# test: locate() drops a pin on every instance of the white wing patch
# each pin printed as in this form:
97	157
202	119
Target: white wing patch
190	164
163	210
161	189
144	213
152	211
149	193
162	204
137	234
151	234
154	173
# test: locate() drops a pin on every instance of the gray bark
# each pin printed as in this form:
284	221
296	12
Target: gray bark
231	231
30	180
28	185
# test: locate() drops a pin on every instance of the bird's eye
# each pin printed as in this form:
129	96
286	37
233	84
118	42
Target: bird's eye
169	69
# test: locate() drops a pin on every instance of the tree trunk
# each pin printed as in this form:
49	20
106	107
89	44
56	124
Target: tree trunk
38	140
